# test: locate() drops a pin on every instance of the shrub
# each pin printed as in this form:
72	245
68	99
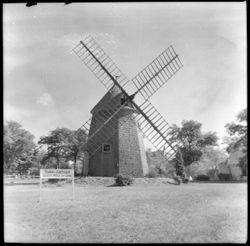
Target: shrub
202	177
211	173
34	171
152	173
185	180
225	176
177	179
122	180
165	171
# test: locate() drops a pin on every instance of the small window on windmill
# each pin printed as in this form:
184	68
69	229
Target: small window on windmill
106	148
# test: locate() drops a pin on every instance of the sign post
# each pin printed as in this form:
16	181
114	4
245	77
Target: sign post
57	174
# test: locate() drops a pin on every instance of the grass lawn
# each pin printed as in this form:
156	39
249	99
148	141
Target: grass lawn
196	212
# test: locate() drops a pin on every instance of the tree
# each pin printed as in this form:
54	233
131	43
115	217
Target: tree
179	165
77	144
57	145
238	138
24	164
208	163
238	132
63	144
193	141
18	147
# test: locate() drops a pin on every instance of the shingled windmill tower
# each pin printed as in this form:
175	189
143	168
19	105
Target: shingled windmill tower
124	152
115	130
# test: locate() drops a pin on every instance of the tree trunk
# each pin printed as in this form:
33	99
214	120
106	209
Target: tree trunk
58	162
75	158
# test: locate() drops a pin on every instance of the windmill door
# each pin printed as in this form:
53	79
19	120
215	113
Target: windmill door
107	161
108	166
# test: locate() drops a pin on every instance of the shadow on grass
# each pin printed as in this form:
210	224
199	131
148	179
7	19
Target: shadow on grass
112	185
116	185
173	183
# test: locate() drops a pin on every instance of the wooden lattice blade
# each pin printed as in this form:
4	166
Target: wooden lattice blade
157	73
94	57
155	128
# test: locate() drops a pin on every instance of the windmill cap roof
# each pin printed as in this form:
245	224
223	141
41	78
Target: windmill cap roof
112	93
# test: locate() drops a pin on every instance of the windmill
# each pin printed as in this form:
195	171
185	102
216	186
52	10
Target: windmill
112	146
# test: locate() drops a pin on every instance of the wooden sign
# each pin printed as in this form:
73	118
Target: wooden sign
57	174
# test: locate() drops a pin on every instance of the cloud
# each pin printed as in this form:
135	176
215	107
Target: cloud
45	99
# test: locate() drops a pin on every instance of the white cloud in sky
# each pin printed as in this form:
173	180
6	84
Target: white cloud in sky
45	100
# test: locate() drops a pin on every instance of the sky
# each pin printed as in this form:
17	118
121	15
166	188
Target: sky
46	86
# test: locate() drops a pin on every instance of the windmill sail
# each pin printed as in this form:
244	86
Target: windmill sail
155	128
90	52
157	73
